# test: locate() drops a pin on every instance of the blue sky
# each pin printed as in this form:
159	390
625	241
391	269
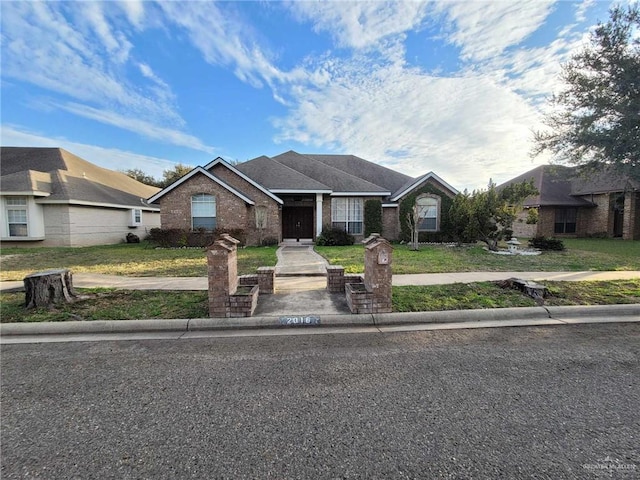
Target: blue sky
453	87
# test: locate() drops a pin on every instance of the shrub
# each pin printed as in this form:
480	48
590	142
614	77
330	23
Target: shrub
544	243
372	217
269	241
182	237
334	237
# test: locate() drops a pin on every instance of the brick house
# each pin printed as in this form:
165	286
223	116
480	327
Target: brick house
575	204
294	196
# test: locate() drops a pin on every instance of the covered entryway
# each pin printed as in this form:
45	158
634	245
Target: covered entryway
297	222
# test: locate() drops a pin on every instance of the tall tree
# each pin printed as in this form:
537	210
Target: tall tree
172	174
595	120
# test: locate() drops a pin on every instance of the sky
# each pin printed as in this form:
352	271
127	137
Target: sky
452	87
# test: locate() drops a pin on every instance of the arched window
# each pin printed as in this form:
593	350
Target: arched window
203	211
428	213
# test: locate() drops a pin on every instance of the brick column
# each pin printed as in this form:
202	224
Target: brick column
377	272
222	261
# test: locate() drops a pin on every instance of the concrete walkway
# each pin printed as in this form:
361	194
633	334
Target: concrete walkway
300	261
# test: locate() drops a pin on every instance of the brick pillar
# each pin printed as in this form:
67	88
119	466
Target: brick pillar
222	261
378	255
335	279
266	280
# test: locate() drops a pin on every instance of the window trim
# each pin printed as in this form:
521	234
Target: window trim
346	218
215	210
136	217
421	218
564	211
23	206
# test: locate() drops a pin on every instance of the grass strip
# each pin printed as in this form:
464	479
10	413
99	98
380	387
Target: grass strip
111	304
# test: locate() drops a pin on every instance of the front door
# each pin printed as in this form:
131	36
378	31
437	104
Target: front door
297	222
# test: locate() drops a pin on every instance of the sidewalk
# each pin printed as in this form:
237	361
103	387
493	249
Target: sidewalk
313	281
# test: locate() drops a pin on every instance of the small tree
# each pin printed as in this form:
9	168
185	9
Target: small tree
413	220
491	212
261	220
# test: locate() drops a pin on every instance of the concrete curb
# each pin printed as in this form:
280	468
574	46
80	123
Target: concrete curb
562	314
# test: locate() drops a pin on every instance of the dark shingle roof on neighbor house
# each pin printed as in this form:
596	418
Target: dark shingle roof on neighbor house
63	177
565	186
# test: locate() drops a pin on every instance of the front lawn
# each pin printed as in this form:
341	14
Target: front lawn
132	260
580	255
111	304
464	296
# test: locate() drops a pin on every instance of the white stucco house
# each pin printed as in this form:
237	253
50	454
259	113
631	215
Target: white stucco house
50	197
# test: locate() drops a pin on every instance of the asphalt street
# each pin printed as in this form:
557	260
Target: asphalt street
536	402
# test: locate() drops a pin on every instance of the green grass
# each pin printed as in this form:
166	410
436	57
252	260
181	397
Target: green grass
133	260
111	304
581	254
462	296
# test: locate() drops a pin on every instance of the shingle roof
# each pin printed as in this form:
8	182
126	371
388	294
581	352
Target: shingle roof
26	181
336	179
278	176
72	179
602	182
386	178
557	186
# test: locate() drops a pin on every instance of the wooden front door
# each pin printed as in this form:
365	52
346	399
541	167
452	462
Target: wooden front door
297	222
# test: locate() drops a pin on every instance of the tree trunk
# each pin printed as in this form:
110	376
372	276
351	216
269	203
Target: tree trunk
44	289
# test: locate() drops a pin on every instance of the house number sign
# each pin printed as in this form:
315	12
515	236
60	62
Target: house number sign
383	258
302	320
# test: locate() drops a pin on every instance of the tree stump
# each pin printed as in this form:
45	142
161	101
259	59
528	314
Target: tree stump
44	289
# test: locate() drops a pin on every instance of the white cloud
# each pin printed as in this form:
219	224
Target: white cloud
485	29
78	51
146	129
465	129
112	158
223	39
361	24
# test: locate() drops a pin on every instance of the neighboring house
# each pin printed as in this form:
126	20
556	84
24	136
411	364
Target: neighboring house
579	205
50	197
294	196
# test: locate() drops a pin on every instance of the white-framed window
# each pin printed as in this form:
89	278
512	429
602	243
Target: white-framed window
428	209
203	211
136	217
17	221
347	214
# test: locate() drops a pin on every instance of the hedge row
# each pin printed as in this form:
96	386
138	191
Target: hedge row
181	237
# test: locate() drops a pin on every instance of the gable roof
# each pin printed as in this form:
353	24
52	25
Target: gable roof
206	173
245	177
280	178
66	178
415	182
339	181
